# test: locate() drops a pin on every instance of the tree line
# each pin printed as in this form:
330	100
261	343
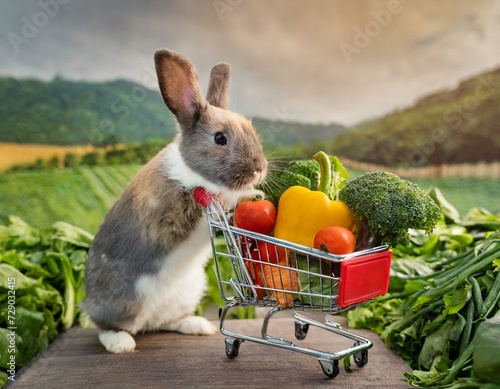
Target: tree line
111	155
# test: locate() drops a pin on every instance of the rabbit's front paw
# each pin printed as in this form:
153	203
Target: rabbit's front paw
117	342
192	325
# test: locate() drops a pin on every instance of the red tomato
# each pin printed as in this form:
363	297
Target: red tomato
256	273
335	239
268	252
257	216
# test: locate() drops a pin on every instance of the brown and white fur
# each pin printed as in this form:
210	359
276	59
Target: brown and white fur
145	270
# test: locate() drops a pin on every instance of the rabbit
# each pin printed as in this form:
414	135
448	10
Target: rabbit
145	269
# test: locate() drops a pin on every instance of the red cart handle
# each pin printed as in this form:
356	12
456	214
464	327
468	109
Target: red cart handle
202	196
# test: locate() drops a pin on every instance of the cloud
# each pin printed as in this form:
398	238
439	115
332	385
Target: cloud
286	56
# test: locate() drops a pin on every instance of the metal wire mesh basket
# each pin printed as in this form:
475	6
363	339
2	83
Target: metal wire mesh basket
259	270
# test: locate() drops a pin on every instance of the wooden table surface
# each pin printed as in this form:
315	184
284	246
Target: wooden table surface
76	359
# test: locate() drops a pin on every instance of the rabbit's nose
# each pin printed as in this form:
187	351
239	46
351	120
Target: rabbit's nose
259	177
260	171
260	165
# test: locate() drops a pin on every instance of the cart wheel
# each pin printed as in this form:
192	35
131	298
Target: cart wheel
361	358
301	329
232	347
330	368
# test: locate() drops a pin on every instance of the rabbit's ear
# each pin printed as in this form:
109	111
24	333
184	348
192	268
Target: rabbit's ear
179	86
218	87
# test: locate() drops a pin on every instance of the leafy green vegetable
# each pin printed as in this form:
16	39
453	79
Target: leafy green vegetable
449	211
315	280
386	206
41	272
339	177
485	354
444	288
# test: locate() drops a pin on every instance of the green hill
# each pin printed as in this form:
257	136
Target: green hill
451	126
73	112
66	112
291	133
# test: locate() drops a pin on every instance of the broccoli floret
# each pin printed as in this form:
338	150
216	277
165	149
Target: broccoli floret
304	173
386	206
277	182
308	168
292	179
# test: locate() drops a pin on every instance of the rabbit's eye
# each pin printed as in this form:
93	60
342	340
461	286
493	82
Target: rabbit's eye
220	139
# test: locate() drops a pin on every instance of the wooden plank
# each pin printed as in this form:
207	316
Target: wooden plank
76	359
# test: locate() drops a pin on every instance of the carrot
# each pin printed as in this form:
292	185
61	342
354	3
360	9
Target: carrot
283	279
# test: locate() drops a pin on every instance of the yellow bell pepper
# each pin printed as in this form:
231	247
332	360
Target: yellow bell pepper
302	212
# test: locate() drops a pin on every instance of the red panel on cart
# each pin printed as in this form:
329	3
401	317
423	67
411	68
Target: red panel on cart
363	278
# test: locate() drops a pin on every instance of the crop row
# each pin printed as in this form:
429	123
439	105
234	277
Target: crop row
80	196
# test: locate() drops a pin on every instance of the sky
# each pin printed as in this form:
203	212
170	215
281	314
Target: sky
319	61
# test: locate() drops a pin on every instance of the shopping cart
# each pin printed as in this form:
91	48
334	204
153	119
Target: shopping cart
259	270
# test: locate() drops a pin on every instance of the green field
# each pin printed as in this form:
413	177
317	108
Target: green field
466	193
82	195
